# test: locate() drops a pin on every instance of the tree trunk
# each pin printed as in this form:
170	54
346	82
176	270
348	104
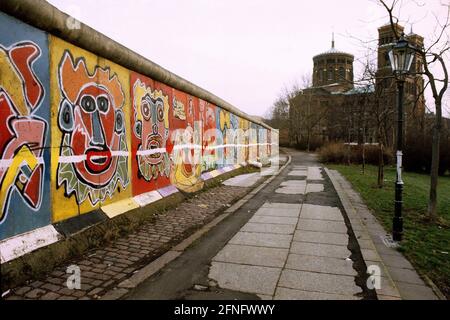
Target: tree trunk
309	139
432	204
364	153
380	167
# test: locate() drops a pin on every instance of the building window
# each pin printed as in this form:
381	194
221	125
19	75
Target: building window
330	73
341	73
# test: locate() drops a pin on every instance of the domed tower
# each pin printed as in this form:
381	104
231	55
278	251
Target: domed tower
333	69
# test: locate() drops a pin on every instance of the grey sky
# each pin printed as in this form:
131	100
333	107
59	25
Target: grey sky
244	51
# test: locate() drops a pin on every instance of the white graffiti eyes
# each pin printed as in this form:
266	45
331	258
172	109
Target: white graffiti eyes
119	123
146	108
160	111
89	104
102	104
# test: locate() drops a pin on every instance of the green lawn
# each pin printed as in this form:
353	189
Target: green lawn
426	245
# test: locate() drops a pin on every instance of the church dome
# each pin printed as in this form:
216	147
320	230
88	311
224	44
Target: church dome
332	51
333	68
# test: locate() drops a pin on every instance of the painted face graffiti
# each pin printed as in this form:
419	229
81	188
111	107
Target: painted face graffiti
187	141
151	109
210	134
94	152
22	135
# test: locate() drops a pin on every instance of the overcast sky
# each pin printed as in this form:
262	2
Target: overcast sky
244	51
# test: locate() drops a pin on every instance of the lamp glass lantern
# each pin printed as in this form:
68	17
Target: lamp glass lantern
401	57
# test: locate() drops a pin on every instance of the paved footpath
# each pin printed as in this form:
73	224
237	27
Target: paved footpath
291	241
291	250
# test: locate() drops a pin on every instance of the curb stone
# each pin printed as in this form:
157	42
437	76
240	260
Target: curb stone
371	238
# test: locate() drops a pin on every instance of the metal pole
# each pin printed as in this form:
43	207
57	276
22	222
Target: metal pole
398	219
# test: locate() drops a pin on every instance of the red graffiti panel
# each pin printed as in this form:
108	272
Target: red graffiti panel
185	141
150	134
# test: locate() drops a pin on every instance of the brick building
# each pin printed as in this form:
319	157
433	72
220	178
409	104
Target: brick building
338	108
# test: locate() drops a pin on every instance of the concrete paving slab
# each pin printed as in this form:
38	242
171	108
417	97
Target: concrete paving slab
243	180
357	226
278	212
314	187
370	254
298	173
293	183
269	228
273	220
383	297
291	294
314	173
320	264
397	262
295	167
291	190
405	275
410	291
365	244
310	211
262	239
383	249
320	249
254	279
282	205
363	235
387	288
321	237
380	265
322	225
265	297
319	282
257	256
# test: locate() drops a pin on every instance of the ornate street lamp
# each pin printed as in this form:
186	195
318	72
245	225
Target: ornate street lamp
401	57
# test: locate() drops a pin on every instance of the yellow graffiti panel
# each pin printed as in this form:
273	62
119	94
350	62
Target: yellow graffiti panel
90	131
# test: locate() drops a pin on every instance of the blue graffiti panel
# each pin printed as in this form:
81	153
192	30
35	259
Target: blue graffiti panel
24	127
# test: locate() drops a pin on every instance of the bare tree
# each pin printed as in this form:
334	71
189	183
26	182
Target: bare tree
381	110
435	54
278	113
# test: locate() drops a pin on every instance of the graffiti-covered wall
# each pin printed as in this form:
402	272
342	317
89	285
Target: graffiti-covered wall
79	133
24	128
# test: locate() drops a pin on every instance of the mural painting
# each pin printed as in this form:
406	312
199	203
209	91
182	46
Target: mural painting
243	141
24	130
150	127
210	136
79	132
253	143
93	150
233	139
186	139
262	144
223	124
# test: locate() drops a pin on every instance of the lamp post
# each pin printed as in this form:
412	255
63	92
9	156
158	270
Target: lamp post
401	57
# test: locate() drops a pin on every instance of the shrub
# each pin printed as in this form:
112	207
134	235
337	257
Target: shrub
343	154
314	144
417	153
